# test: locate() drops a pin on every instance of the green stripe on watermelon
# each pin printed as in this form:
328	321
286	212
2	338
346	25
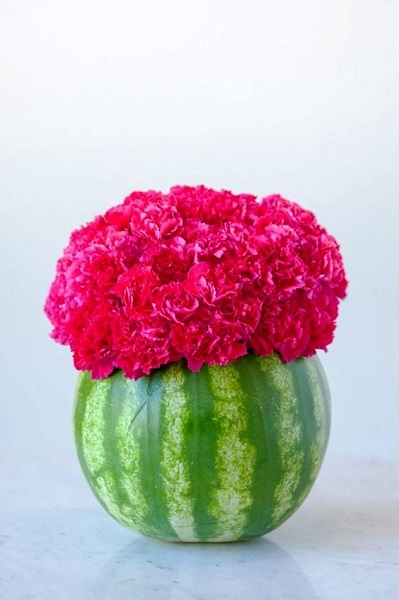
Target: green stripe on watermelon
322	413
289	437
112	473
124	450
202	430
150	391
262	398
306	409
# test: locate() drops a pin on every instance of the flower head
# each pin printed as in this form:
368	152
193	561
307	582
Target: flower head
197	274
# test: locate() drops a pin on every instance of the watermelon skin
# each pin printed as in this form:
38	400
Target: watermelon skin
225	454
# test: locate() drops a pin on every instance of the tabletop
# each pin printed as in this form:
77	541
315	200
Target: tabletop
57	543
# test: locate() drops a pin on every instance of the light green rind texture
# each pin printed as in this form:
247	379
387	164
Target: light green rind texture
231	492
174	462
225	454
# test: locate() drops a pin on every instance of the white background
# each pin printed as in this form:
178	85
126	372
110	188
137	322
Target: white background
100	98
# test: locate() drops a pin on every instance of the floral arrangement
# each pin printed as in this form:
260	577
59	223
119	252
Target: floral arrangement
195	274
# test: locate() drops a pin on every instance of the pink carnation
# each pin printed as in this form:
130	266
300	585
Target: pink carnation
195	274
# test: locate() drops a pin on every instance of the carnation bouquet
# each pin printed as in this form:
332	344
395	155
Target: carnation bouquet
202	410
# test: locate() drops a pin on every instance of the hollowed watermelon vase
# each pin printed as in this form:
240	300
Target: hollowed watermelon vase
225	454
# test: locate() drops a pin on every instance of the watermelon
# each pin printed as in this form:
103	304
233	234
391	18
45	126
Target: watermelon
224	454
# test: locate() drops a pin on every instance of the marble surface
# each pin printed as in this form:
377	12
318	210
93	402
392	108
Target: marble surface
57	543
